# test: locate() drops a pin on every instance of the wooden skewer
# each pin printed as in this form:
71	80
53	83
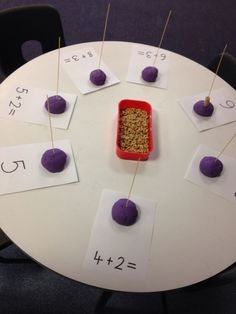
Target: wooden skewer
104	34
207	99
50	123
154	220
226	145
58	64
132	184
162	36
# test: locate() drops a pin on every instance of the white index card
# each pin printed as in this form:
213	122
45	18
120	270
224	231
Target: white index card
121	251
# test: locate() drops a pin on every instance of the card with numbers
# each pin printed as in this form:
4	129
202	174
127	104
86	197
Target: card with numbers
80	64
26	103
224	102
224	185
21	169
120	252
144	56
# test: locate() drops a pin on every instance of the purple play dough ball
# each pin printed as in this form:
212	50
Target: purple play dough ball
211	166
98	77
54	160
57	104
202	110
149	74
123	215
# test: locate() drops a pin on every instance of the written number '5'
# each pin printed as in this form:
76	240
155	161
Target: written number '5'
16	164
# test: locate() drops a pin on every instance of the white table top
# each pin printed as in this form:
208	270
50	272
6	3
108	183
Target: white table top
194	236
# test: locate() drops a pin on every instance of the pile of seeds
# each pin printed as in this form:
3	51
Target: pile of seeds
134	130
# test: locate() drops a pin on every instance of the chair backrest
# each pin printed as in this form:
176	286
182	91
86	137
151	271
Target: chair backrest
227	70
225	277
4	240
25	23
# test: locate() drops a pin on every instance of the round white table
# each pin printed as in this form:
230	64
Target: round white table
194	230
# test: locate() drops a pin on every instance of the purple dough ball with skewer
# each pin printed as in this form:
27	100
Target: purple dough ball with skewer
202	109
98	77
149	74
54	160
211	166
124	212
57	104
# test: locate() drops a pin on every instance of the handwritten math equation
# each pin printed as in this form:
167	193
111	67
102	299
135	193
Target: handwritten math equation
12	166
16	102
229	104
118	263
148	54
77	57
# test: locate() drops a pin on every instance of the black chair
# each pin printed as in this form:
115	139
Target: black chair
225	277
227	70
4	240
107	294
21	24
4	243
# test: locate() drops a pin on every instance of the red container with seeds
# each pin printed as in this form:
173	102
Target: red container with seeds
134	139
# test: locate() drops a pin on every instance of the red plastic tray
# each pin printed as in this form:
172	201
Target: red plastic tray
137	104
